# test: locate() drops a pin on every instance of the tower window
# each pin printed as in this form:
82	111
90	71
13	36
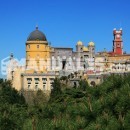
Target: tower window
37	46
29	46
28	56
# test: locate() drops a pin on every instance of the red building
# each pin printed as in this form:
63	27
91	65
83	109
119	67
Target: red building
117	43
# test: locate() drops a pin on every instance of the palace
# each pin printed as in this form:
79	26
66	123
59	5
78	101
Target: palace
44	63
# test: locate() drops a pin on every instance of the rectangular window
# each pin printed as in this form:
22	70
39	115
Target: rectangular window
44	79
37	46
51	80
36	80
29	80
44	87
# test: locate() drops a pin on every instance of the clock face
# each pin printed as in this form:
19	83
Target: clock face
118	36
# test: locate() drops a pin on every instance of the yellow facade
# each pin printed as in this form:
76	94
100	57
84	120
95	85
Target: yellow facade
37	56
38	81
85	48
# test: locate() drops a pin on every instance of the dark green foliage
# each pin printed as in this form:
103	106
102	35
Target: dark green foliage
12	107
10	95
64	78
102	107
40	99
56	89
83	84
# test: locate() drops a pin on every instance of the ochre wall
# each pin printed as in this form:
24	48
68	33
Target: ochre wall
37	54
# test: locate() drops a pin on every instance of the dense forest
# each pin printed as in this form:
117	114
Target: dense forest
102	107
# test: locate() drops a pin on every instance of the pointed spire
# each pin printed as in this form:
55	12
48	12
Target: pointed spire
11	56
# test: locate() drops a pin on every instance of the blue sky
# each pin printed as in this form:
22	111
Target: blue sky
64	22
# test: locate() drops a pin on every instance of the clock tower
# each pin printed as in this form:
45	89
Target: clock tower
117	42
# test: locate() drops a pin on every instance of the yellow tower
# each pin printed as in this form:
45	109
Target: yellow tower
37	53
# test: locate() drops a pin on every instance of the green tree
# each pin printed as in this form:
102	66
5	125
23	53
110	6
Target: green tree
12	107
83	85
56	89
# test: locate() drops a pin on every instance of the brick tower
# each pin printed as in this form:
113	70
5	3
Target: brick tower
117	42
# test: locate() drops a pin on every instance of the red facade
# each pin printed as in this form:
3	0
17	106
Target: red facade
117	42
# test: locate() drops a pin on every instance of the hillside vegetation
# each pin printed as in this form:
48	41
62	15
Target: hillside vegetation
103	107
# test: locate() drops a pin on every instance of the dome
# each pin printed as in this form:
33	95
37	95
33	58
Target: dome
37	36
91	44
85	49
79	43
